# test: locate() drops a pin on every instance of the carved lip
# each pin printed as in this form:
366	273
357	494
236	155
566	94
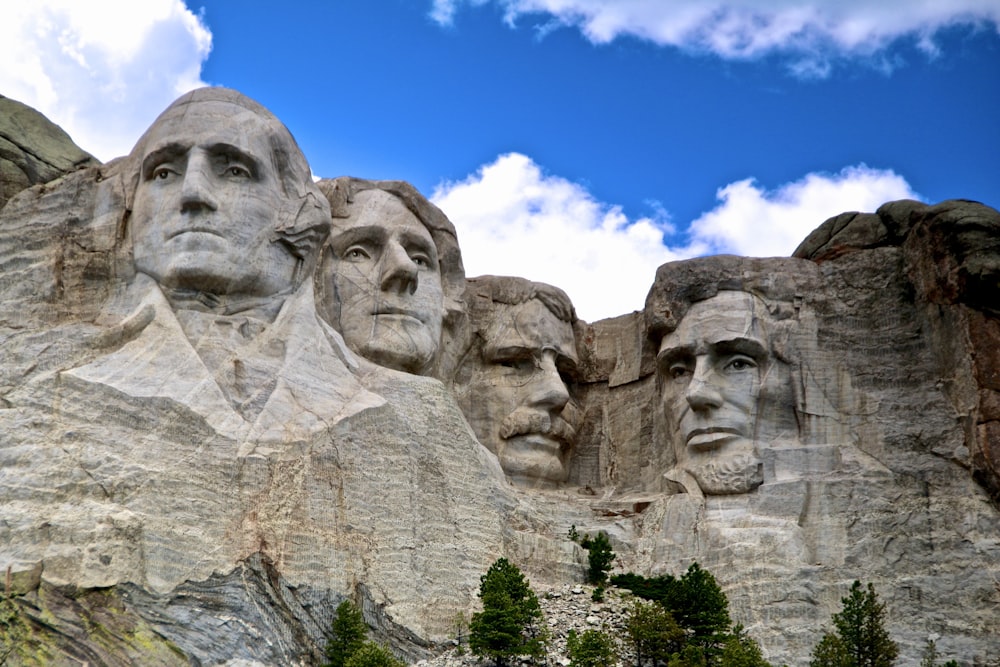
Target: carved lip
396	310
714	436
535	441
196	230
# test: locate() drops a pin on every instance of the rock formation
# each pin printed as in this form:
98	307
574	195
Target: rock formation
202	455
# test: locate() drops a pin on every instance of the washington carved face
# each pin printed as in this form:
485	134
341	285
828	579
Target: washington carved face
207	204
711	370
387	283
515	400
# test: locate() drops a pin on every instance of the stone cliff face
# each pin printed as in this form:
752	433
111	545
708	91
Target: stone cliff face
792	424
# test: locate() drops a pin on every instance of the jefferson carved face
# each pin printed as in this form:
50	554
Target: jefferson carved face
515	400
207	204
387	283
712	368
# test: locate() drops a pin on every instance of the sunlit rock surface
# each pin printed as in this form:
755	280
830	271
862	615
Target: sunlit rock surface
792	424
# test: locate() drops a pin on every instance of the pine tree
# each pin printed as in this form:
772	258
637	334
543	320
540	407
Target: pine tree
591	649
347	636
698	605
510	623
653	632
861	639
370	654
742	650
599	556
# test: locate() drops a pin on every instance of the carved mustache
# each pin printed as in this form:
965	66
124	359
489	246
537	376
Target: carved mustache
523	422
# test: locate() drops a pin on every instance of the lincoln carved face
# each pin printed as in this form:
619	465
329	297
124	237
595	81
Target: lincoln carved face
387	283
207	204
516	397
712	369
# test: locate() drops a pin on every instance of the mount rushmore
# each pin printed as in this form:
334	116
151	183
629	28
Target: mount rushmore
232	396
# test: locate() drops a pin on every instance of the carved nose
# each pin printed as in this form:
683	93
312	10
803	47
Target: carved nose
548	390
196	192
399	273
701	393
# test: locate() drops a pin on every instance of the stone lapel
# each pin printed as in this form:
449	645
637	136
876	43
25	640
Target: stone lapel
314	387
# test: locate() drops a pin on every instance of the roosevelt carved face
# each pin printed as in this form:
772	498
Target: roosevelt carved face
516	399
387	283
712	369
207	204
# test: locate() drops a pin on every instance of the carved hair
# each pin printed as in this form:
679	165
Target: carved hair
304	221
514	291
678	285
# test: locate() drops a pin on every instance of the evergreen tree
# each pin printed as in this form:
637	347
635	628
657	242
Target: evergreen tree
830	652
347	636
699	606
370	654
742	650
861	639
654	633
510	623
599	556
591	649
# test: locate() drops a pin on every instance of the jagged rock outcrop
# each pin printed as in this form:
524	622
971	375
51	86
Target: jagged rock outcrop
196	466
33	149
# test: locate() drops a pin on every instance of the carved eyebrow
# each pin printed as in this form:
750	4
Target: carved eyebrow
747	346
235	153
161	154
672	353
506	351
418	241
348	236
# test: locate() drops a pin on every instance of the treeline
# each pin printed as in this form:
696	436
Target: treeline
672	622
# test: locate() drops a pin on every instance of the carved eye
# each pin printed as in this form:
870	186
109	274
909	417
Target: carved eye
740	363
678	370
161	173
521	365
356	254
420	260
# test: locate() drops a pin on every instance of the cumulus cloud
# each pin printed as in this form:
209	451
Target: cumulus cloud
752	221
812	31
101	70
514	219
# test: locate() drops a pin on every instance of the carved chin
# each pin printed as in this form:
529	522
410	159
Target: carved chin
738	473
410	354
533	461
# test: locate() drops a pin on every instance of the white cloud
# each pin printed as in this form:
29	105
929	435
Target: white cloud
513	219
811	31
757	223
101	70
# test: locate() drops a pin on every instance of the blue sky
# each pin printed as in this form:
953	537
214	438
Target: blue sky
577	142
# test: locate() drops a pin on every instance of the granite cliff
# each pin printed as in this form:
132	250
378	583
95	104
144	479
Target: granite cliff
201	455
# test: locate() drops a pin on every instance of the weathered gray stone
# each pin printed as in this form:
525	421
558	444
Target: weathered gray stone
513	383
180	485
33	149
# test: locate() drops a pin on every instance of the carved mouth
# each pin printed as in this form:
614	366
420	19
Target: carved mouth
706	438
400	312
536	442
195	230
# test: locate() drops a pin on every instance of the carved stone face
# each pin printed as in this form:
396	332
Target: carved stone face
387	282
712	368
207	204
515	400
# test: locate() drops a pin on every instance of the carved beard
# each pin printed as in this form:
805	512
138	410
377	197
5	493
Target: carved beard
737	473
